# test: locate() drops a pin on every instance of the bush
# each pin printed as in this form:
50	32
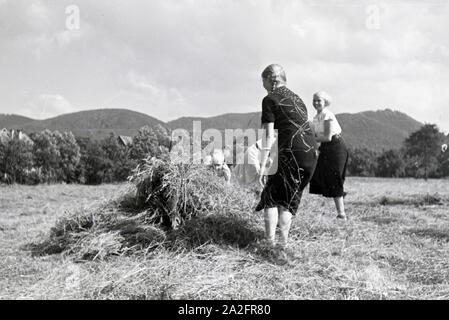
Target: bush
390	164
16	161
362	162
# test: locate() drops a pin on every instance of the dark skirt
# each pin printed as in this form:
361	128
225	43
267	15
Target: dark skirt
285	187
330	171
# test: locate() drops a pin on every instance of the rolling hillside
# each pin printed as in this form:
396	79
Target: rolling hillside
221	122
10	120
375	130
94	123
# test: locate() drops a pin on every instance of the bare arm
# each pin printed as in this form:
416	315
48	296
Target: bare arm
326	137
265	150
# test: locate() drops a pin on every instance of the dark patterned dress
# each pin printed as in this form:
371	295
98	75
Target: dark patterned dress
296	158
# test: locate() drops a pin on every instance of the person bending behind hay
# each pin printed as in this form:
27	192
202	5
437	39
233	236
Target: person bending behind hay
329	175
284	110
216	162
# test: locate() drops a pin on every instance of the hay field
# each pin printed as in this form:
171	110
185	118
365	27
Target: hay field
394	246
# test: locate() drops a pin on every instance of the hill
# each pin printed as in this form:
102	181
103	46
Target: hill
375	130
94	123
221	122
10	120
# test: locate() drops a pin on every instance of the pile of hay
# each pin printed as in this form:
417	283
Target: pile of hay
168	205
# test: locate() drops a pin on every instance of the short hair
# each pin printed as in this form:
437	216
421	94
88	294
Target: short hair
325	96
217	157
275	72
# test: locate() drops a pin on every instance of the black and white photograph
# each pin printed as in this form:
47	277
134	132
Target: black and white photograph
224	150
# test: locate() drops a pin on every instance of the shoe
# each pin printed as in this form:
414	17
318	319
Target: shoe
284	256
265	248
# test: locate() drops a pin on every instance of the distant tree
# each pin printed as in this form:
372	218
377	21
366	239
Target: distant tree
3	147
443	164
46	155
362	162
80	170
150	141
119	165
16	160
69	154
390	164
423	146
95	163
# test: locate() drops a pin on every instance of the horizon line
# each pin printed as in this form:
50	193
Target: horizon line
187	116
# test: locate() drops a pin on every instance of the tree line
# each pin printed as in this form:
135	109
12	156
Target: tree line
419	157
51	156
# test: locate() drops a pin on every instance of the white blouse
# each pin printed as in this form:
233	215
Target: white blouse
318	122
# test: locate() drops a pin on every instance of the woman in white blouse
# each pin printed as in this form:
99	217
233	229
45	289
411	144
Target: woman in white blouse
329	176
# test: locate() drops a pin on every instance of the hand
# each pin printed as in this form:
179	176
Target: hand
444	148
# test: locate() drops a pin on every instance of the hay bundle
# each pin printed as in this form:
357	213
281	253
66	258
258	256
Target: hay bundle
169	205
178	192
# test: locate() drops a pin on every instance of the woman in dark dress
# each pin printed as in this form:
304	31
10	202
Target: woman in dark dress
284	111
330	172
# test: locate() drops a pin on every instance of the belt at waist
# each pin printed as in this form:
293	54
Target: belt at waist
335	139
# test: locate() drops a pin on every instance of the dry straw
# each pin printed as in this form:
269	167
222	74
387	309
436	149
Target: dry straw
170	205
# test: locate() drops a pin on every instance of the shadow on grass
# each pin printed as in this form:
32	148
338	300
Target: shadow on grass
416	200
434	233
238	232
217	229
85	240
424	272
379	220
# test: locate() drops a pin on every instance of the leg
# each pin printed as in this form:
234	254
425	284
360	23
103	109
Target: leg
339	204
285	221
271	221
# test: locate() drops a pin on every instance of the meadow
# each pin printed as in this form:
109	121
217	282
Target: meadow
393	246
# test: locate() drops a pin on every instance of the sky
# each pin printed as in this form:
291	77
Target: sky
175	58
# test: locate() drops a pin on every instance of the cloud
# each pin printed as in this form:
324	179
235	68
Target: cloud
48	106
165	101
173	58
140	82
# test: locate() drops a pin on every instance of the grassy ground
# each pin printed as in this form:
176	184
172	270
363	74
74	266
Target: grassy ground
394	246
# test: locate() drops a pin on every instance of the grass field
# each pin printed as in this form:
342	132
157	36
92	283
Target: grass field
394	246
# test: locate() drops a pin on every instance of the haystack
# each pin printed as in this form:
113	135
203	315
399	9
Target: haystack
168	205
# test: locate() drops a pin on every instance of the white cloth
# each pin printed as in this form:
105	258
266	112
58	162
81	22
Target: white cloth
247	173
253	154
318	122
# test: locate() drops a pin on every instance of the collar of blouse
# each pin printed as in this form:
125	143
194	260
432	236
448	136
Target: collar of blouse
322	111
